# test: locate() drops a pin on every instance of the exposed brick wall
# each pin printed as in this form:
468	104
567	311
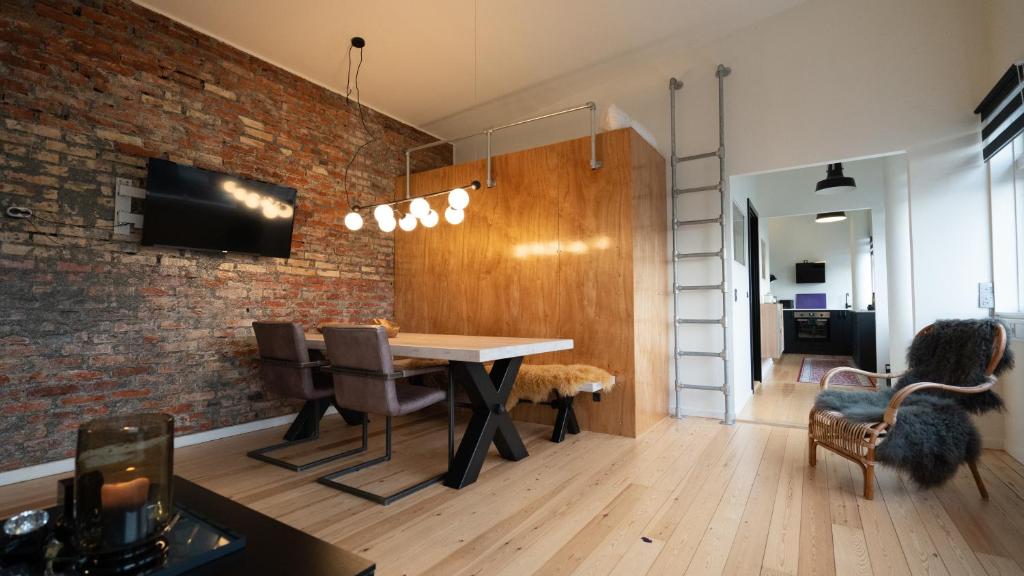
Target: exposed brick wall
92	323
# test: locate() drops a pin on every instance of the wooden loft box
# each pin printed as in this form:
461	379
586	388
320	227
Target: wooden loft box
555	249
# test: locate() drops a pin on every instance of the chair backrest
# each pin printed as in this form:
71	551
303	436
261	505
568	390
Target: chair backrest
364	350
282	347
960	353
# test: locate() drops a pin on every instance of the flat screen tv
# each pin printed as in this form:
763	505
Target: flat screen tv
188	207
810	272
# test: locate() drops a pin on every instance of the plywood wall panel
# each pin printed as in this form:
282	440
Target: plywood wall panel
548	252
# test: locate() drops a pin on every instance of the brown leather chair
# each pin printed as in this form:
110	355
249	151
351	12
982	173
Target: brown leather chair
368	379
287	370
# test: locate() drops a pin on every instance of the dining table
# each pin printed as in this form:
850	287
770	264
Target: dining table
488	390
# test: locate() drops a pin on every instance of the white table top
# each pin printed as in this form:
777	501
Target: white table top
461	348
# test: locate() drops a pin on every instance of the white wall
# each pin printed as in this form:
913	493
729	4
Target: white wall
826	80
799	238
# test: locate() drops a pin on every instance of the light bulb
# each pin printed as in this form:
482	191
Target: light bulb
458	199
387	225
383	212
408	222
353	221
229	186
286	211
270	210
252	200
454	216
419	207
240	193
431	219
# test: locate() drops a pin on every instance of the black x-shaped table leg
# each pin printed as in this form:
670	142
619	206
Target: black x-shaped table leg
490	421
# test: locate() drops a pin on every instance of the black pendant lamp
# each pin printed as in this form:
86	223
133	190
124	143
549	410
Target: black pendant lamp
834	181
826	217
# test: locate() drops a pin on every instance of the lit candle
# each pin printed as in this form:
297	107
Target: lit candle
125	495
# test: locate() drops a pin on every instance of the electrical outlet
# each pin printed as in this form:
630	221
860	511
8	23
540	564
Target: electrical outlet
986	295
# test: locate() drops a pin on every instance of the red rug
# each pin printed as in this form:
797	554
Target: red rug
813	368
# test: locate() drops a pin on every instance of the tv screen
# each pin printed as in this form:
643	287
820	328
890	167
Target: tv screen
810	272
188	207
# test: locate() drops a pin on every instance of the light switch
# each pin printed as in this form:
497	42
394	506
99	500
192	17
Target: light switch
986	297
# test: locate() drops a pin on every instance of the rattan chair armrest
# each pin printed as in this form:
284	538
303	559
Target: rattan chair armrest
872	376
901	395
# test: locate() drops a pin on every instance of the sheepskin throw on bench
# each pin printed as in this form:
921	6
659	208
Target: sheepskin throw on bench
536	382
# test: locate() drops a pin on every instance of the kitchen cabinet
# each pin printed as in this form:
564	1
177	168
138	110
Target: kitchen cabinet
772	342
849	334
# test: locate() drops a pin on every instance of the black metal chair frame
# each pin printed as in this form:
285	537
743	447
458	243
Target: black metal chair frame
329	479
306	427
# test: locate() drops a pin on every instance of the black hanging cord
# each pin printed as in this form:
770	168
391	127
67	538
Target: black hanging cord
371	137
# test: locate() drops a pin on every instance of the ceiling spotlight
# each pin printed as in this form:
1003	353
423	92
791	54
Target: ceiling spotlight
431	219
458	199
454	216
408	222
353	221
834	181
826	217
419	207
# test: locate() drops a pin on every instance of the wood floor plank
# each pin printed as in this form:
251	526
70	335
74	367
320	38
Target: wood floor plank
690	531
918	548
816	548
746	552
782	550
880	536
953	548
851	551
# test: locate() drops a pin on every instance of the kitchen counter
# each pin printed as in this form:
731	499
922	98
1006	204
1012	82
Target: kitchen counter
850	333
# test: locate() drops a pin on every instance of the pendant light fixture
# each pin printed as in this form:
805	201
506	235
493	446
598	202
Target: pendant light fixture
826	217
835	182
417	211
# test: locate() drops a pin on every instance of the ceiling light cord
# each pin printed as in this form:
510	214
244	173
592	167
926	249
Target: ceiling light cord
349	86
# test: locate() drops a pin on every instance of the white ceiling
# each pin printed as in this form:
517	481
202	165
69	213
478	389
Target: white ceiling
426	60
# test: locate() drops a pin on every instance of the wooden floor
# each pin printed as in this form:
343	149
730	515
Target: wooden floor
782	400
689	497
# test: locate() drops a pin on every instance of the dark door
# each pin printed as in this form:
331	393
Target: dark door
754	274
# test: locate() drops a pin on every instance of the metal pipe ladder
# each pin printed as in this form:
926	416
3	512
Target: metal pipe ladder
723	286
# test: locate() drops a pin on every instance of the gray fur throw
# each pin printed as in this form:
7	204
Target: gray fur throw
933	434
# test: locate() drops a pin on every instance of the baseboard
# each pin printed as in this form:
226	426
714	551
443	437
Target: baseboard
68	464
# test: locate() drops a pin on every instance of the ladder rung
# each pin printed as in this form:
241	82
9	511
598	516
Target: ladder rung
699	387
685	255
681	191
680	288
679	223
691	157
708	354
700	320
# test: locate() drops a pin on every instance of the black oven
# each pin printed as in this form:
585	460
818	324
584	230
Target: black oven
812	326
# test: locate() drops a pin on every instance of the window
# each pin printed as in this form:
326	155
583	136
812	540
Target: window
739	235
1006	177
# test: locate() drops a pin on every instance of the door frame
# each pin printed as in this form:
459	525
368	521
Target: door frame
754	285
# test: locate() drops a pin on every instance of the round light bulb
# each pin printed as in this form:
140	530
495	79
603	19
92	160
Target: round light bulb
383	212
286	211
458	199
419	207
387	225
408	222
431	219
353	221
252	200
270	210
240	194
454	216
229	186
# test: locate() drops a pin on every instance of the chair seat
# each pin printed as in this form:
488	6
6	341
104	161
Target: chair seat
412	398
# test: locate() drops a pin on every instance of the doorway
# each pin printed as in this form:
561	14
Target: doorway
754	273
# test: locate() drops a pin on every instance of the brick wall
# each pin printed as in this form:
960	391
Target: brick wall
91	323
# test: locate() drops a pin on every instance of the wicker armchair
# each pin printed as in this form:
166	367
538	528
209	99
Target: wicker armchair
857	441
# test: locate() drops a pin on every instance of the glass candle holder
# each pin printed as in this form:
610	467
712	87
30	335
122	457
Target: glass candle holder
123	471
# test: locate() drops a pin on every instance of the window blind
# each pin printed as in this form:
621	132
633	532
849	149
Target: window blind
1002	111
